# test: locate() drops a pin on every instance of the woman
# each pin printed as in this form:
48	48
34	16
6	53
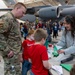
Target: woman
68	37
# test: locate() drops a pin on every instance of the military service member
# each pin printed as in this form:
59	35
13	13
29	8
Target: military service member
10	38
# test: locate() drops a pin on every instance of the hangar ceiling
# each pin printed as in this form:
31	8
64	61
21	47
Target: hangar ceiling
33	3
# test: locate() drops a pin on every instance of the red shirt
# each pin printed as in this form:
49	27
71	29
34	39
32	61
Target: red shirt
40	25
37	54
26	45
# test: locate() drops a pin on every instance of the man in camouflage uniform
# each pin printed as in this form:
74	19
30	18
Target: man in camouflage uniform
10	38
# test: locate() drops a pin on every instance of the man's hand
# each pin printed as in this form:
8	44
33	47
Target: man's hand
61	51
20	57
10	54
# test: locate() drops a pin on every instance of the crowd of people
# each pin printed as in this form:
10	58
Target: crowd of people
52	28
32	51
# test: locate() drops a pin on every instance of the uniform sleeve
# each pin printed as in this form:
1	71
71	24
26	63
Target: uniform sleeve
70	50
10	32
14	39
5	25
62	41
44	54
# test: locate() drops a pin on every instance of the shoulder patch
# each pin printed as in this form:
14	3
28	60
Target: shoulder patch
1	24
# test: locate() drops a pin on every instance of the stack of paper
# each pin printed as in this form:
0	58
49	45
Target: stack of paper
58	69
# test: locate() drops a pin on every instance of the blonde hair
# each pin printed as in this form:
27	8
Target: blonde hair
39	34
30	32
19	4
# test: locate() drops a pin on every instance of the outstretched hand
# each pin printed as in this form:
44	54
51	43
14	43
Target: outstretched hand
60	51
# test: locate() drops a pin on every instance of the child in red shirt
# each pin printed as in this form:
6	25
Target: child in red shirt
38	54
26	65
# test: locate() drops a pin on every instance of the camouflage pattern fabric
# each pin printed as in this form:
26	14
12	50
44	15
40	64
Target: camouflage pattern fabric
12	62
1	64
10	38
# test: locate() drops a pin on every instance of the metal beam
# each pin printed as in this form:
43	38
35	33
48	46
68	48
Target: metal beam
5	9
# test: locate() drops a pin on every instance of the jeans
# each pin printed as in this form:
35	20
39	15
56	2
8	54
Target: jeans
26	65
31	73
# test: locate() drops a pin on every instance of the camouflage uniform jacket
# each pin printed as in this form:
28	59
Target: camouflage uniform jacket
10	37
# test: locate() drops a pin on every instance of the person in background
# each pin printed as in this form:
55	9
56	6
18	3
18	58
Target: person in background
55	30
10	38
39	25
26	65
48	27
67	40
38	54
25	30
72	72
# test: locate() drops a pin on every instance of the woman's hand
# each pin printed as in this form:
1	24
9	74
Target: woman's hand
61	51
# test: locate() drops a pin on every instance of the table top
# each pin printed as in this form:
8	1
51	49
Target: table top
56	61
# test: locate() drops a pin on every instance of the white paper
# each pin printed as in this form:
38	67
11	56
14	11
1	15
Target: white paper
58	69
49	54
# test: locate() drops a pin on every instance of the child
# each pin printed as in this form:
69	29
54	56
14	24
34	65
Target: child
55	30
38	54
72	72
26	44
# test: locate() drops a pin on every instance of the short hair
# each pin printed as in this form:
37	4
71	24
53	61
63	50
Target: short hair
19	4
30	32
39	34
